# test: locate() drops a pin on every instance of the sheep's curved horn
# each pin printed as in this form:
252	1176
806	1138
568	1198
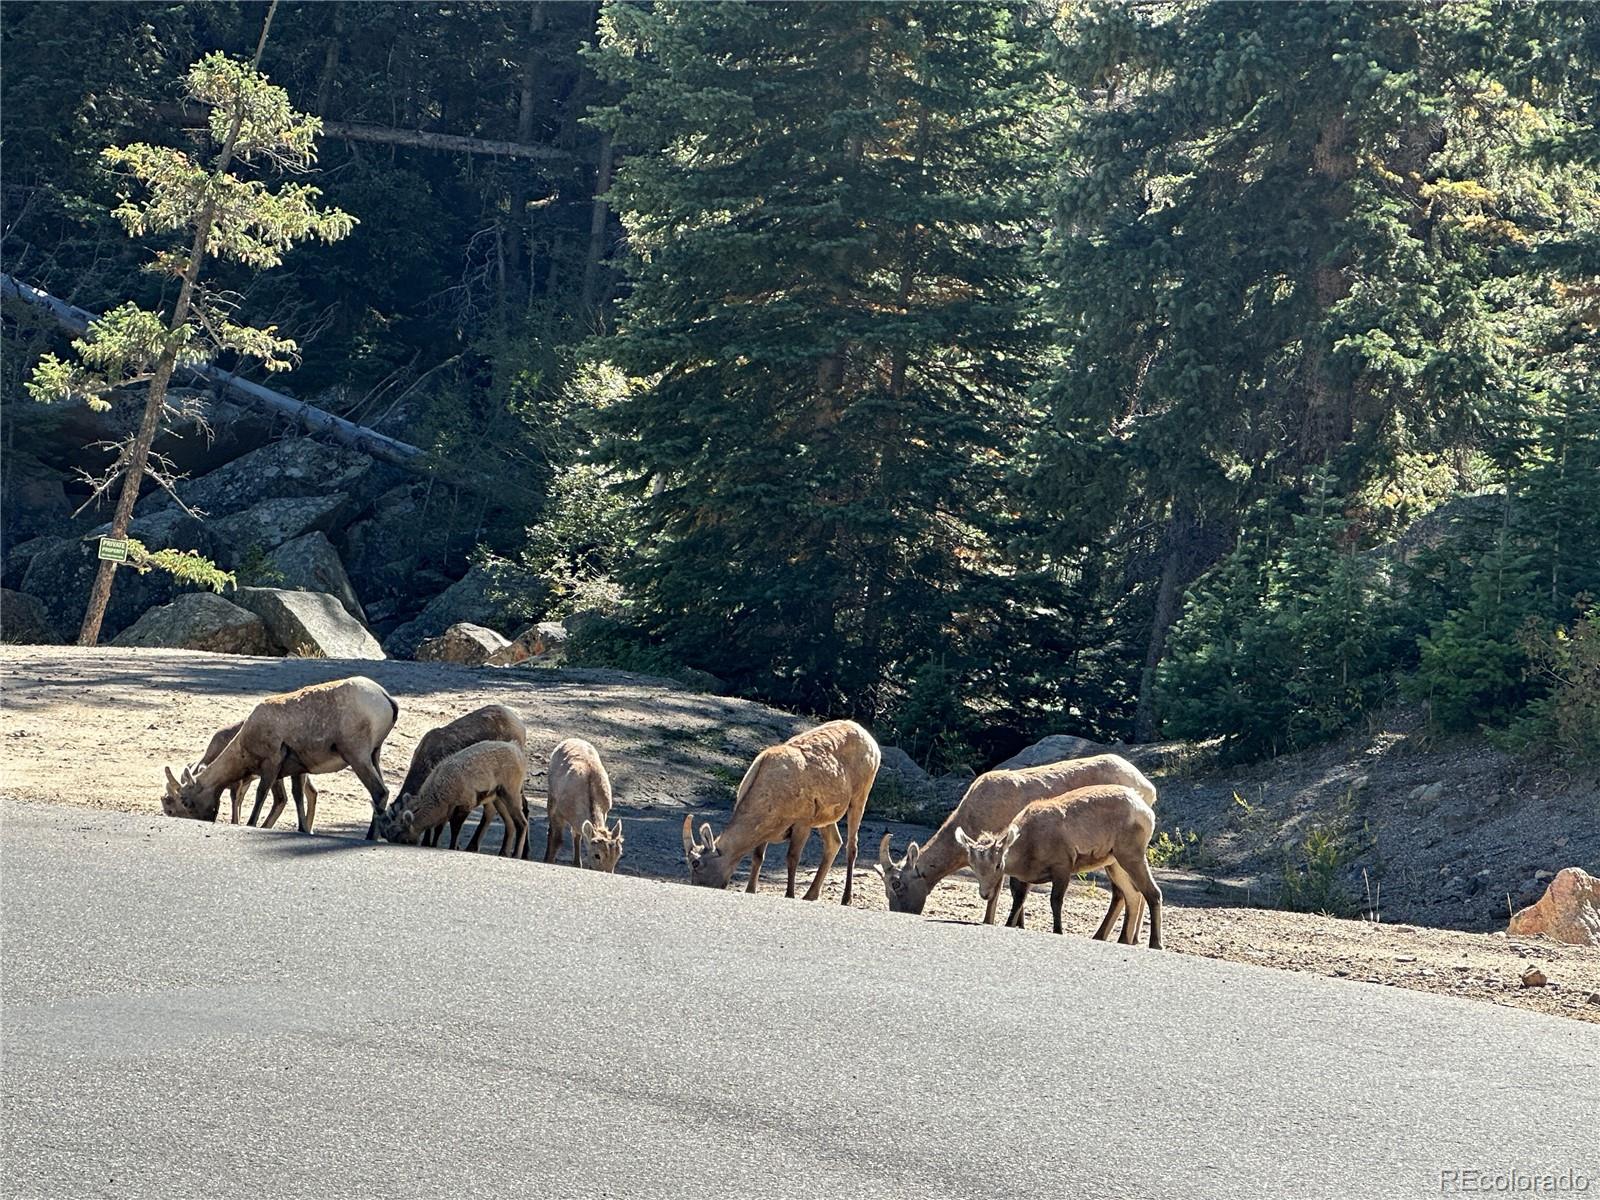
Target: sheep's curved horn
885	855
688	834
172	784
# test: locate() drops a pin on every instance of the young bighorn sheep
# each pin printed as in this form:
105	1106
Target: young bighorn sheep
807	783
1052	840
990	804
486	774
601	847
314	731
236	789
579	796
491	723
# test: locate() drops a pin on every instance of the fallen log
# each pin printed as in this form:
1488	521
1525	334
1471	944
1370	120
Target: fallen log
422	139
309	417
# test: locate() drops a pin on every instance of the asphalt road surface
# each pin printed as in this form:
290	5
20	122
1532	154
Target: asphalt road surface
208	1011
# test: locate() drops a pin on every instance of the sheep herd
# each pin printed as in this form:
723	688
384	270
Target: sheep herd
1031	826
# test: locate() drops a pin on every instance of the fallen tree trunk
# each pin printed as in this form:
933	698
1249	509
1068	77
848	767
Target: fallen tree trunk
350	131
308	416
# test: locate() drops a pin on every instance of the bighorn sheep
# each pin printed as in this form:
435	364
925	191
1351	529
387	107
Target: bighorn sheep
579	797
491	723
316	730
1052	840
601	847
489	774
807	783
991	802
237	788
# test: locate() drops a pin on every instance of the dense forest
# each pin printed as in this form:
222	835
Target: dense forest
974	370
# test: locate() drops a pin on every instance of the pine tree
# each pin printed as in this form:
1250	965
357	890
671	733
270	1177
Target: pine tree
829	209
1291	236
227	217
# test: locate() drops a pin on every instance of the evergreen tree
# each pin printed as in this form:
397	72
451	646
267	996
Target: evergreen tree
828	208
222	216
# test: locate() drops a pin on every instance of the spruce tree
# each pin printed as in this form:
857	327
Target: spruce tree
828	209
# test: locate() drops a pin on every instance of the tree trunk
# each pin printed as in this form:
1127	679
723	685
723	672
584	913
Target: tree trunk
518	232
598	218
1145	717
138	455
330	60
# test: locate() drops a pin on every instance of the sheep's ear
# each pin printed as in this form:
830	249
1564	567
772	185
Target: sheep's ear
707	836
588	831
172	784
963	840
1011	834
617	832
688	834
911	855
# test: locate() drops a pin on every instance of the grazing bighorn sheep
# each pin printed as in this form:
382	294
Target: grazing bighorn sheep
579	793
237	788
491	723
991	802
807	783
314	731
486	774
1052	840
601	847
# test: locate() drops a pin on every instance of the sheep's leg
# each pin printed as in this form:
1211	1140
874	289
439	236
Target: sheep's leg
458	821
552	837
235	790
516	822
300	804
858	806
1121	896
756	855
280	801
268	782
577	858
1058	895
304	781
1019	896
484	819
1139	871
371	779
798	836
527	831
992	906
830	851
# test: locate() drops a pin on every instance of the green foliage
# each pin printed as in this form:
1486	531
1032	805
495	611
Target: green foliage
186	566
1565	662
255	568
831	327
1313	877
1287	642
1177	849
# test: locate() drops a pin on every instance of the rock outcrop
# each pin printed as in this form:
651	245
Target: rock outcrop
293	467
1058	747
61	573
1569	910
24	621
271	523
465	643
546	637
311	564
474	598
309	624
199	621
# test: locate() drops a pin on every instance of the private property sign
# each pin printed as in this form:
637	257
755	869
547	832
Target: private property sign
114	549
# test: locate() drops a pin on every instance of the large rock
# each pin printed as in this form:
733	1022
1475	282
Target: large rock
472	645
1058	747
1569	910
381	551
309	624
901	767
311	564
474	598
293	467
24	621
33	501
168	529
546	637
270	524
17	557
61	573
199	621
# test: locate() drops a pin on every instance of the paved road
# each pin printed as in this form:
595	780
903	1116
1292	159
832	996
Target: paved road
199	1011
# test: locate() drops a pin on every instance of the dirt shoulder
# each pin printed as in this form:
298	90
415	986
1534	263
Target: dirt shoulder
95	727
